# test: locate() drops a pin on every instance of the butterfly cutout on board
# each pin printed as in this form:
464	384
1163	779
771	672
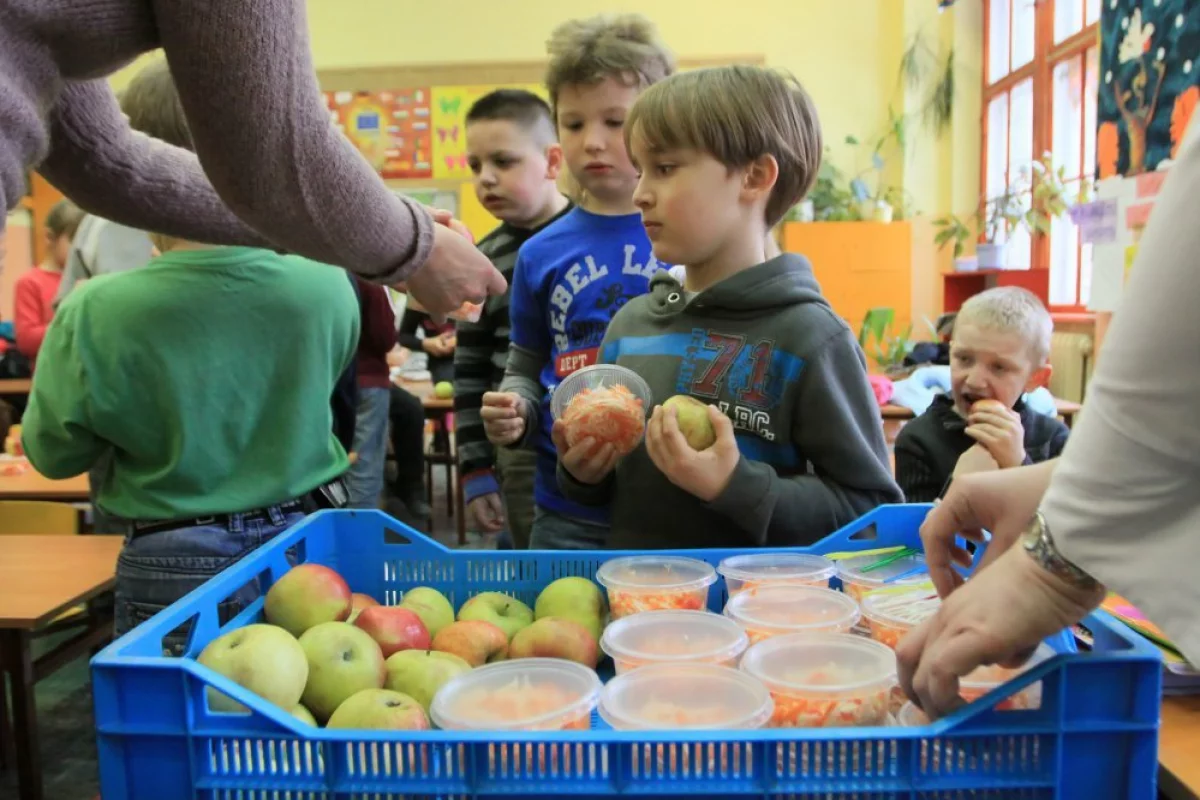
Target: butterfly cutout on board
459	161
450	105
452	133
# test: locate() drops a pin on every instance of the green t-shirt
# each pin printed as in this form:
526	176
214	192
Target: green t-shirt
207	373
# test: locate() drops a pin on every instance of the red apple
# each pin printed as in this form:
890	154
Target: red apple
305	596
394	628
555	637
474	641
359	601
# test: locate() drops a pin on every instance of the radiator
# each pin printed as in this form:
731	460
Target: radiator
1071	357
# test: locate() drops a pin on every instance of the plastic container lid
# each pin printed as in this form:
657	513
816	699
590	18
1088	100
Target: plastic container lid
830	663
674	637
785	609
689	696
984	679
911	717
526	694
654	573
599	376
903	610
850	569
777	567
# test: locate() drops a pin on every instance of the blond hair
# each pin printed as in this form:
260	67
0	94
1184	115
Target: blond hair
63	220
736	114
152	104
623	46
1013	310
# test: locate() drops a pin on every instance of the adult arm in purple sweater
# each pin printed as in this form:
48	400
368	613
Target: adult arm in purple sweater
265	140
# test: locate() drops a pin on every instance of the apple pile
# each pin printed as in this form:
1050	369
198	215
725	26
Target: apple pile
340	659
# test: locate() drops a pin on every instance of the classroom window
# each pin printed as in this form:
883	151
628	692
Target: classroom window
1039	95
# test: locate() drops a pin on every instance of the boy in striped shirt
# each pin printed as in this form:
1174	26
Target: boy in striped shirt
515	160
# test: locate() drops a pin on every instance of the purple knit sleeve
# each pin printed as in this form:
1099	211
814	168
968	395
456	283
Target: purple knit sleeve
265	140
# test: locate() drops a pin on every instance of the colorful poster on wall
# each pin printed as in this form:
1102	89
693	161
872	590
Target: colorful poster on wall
391	128
1149	82
449	136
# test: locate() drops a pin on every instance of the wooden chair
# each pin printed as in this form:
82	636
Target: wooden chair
441	449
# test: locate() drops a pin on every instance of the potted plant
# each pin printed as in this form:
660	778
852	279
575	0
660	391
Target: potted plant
876	205
1032	201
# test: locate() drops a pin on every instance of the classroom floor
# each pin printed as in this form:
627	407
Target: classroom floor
64	700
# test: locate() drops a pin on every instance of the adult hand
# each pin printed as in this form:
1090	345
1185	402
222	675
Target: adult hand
455	273
703	473
999	617
1002	502
587	460
999	429
503	417
486	512
975	459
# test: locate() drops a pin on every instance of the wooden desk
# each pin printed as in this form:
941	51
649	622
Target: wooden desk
40	577
31	485
894	413
16	386
1179	748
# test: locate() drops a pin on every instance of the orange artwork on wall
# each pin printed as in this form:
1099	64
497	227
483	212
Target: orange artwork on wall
1181	115
1107	149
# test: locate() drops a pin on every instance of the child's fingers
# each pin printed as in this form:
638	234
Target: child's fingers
558	435
601	461
575	458
497	413
674	443
500	399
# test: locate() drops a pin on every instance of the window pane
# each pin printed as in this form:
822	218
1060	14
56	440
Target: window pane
1064	261
1020	129
1093	11
1089	113
1068	18
1020	248
998	39
1024	16
997	145
1068	115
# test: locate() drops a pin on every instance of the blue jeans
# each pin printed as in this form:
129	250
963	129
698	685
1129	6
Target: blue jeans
364	480
554	531
156	569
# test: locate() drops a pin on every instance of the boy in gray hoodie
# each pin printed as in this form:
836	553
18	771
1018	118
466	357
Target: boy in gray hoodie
799	449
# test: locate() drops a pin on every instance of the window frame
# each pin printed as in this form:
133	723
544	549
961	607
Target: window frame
1046	56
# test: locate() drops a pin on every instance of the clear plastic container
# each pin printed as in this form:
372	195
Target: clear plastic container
655	583
891	615
762	569
673	637
910	716
986	678
599	376
529	694
685	696
857	583
833	680
783	609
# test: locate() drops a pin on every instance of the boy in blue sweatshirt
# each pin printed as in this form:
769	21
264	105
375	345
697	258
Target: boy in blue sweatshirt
799	448
577	272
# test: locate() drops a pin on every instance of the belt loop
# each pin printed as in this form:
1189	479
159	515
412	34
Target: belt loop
276	515
237	523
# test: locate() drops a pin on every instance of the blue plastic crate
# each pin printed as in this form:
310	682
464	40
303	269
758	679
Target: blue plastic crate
1094	736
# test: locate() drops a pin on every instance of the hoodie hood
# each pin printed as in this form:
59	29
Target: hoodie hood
785	280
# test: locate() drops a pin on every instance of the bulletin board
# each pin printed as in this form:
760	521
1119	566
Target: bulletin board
409	122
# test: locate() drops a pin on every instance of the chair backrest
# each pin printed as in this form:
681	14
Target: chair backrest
38	517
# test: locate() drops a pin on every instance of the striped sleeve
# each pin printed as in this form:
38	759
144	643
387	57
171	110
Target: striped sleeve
479	357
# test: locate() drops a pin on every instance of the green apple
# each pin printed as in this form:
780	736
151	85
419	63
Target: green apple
342	660
307	595
265	659
694	424
576	599
304	715
431	606
507	613
443	390
380	710
420	673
